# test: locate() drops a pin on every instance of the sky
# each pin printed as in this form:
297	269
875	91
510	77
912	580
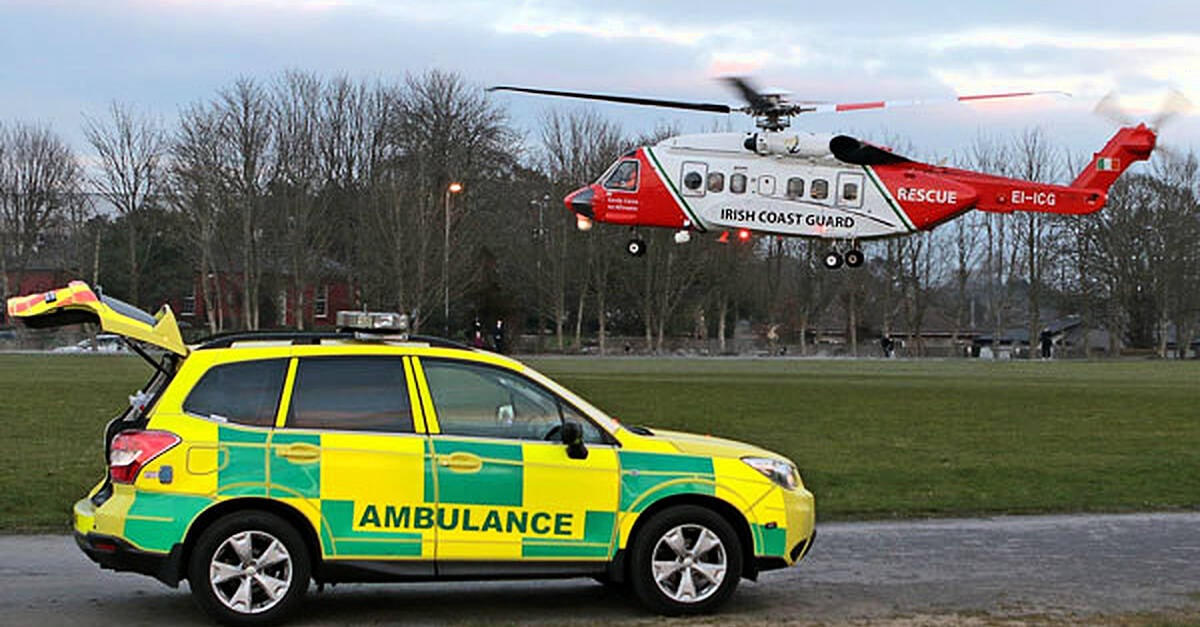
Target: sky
63	59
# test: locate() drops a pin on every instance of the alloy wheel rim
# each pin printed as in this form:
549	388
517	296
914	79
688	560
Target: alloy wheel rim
689	563
250	572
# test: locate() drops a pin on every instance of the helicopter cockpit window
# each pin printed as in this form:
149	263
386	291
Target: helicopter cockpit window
850	191
716	182
820	189
624	177
795	187
737	183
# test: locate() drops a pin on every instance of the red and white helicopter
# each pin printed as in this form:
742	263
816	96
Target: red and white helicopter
811	185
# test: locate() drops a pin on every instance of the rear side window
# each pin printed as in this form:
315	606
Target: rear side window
351	394
245	392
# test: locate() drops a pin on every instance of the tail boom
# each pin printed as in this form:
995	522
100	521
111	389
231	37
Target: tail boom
1128	146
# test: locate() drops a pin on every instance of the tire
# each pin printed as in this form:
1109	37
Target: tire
263	565
833	260
685	581
854	258
636	247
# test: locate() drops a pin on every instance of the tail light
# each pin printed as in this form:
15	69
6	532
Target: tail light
132	450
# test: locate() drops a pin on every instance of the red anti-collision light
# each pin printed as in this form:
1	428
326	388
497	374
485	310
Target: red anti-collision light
743	234
132	450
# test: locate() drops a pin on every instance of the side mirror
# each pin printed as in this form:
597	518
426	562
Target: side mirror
572	436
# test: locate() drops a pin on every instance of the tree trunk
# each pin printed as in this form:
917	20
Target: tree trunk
722	314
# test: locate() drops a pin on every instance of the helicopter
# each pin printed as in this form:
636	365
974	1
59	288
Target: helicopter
834	187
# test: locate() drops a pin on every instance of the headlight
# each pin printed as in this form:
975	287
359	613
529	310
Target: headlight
782	473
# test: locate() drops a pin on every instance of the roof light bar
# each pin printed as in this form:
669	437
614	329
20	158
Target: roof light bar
373	321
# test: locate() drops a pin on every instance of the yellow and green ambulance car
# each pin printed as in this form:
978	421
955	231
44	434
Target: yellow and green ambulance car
251	465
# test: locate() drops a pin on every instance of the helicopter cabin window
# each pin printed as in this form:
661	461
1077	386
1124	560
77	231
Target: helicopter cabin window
694	173
850	191
820	189
716	182
624	177
795	187
737	183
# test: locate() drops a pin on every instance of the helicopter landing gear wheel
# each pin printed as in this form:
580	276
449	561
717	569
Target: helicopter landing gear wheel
833	260
854	258
636	247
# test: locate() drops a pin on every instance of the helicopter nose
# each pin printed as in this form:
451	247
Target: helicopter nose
580	201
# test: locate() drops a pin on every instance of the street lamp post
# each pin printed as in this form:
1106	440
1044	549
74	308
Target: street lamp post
453	188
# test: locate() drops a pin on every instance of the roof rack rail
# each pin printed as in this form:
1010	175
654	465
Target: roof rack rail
310	337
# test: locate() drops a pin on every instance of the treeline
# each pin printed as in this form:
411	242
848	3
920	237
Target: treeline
303	180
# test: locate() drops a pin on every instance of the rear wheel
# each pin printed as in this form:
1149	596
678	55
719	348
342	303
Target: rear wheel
249	568
687	560
833	260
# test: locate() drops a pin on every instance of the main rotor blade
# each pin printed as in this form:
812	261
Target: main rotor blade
1174	104
749	93
1109	107
633	100
884	104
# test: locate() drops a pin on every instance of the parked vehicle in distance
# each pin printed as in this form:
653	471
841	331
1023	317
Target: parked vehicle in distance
252	464
104	343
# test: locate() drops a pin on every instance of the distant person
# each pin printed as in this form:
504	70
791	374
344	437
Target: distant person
1047	345
888	345
498	336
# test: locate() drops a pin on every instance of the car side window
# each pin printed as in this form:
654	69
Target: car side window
479	401
351	394
245	392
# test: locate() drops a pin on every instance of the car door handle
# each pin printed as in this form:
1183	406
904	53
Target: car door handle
300	452
460	462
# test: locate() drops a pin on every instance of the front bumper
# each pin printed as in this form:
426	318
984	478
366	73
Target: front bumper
116	554
797	508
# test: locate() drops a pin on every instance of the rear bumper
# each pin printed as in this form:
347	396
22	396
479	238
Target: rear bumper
116	554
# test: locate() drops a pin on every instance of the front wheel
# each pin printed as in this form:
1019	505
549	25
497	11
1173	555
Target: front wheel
687	560
249	568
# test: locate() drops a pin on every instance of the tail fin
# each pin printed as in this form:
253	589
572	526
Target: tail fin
1129	145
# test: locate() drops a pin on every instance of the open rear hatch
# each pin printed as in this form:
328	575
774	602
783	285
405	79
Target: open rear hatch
77	303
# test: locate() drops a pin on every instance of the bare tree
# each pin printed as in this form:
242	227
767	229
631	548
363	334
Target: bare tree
446	131
199	176
999	257
308	138
576	147
39	188
130	148
1036	161
247	134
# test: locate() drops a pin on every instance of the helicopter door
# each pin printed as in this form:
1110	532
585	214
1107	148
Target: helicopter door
849	189
693	176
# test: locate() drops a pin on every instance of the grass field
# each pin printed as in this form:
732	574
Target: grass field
872	438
